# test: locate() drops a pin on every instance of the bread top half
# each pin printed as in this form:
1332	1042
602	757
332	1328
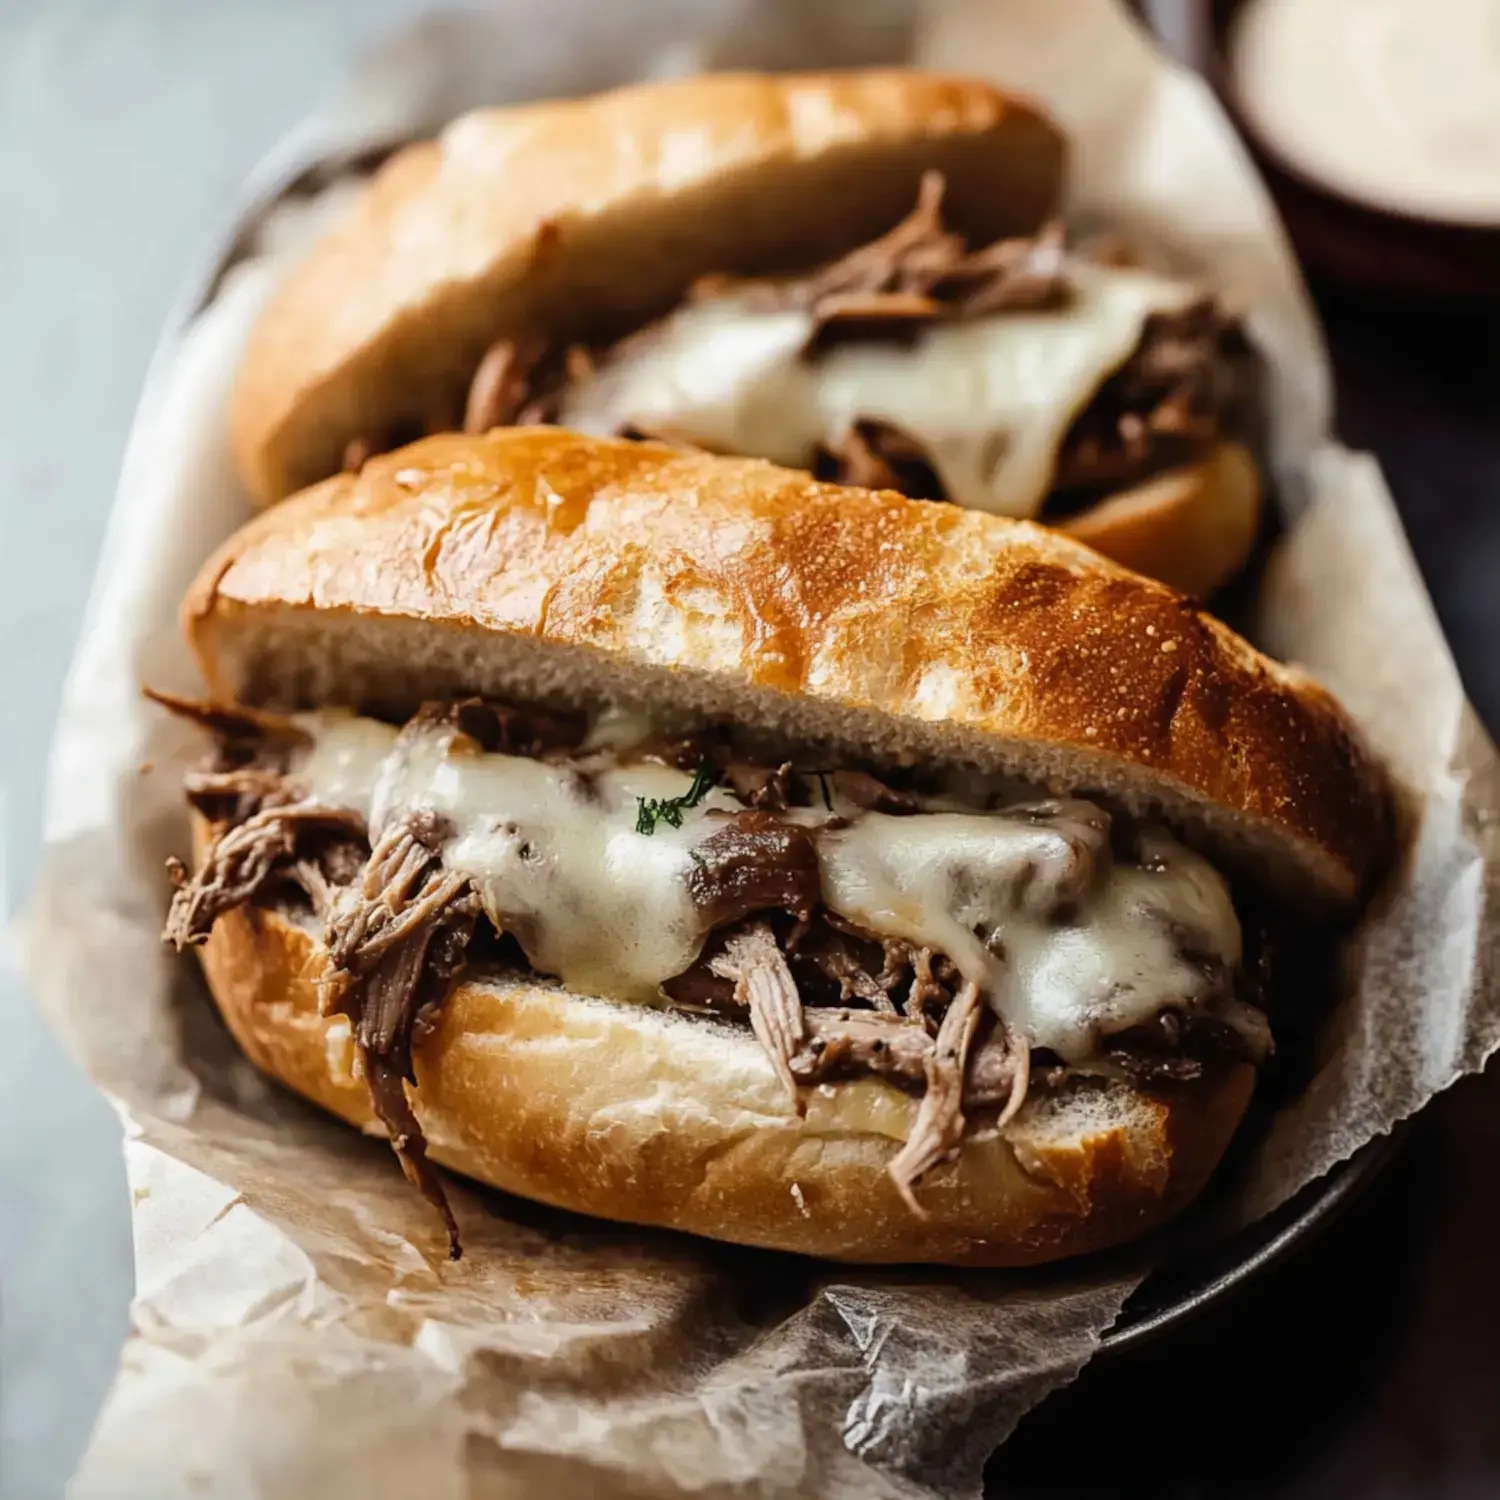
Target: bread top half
533	563
585	218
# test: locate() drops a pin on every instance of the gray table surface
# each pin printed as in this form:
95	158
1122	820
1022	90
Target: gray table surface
125	128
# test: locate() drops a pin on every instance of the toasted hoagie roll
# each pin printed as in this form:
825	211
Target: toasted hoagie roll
858	274
684	841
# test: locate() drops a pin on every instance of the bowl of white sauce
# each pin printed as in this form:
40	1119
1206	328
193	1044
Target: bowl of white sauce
1377	124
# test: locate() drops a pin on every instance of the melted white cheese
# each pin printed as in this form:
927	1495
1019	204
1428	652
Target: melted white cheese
1066	944
989	400
555	854
952	881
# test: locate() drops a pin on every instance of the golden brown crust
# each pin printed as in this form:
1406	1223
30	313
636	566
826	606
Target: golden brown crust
1191	529
686	1125
557	215
734	584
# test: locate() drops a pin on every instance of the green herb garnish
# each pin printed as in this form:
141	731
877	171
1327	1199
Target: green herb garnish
669	810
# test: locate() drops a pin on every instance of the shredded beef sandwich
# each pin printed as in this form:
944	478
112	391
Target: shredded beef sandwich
687	842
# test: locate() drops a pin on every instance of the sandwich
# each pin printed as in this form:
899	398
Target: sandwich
861	275
685	841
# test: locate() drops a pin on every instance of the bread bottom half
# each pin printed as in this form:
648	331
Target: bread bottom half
1191	528
653	1117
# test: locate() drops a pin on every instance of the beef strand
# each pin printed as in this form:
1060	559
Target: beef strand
239	793
396	940
765	787
230	724
850	1043
926	989
764	985
501	386
907	262
836	961
519	383
867	456
500	728
244	860
939	1126
873	795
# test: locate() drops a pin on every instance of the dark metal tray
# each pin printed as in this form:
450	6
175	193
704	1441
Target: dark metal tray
1194	1276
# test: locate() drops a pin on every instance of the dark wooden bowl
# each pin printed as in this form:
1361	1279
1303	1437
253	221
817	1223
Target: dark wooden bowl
1345	239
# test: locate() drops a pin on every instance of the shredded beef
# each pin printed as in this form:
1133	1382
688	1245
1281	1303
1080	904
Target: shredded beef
920	270
396	924
233	795
848	1043
248	859
231	725
1177	1046
754	863
927	989
999	1069
880	456
699	988
939	1126
502	728
832	962
872	794
764	787
764	985
1188	381
501	387
826	999
396	940
519	383
859	965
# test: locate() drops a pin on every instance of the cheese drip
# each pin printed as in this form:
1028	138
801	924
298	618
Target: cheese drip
988	399
1067	944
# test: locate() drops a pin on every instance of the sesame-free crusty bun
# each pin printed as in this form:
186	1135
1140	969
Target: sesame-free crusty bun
816	623
537	565
581	216
651	1117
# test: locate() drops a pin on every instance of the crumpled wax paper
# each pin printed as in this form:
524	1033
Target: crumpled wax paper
297	1331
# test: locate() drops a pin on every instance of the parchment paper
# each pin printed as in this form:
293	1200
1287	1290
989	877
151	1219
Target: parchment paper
297	1331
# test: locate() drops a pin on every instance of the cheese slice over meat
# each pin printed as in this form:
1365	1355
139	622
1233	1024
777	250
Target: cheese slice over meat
989	400
1067	942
